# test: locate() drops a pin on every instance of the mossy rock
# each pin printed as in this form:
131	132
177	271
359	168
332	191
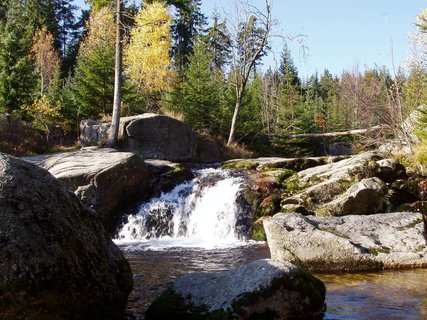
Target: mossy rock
242	165
283	175
263	289
258	232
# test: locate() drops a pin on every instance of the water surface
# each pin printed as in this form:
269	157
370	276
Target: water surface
387	295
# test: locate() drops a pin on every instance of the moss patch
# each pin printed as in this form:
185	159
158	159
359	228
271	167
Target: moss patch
283	175
258	233
170	305
246	165
311	290
377	250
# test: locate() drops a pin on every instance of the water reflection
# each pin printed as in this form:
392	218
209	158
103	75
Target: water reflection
385	295
154	270
392	295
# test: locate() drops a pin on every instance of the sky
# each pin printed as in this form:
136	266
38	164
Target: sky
336	35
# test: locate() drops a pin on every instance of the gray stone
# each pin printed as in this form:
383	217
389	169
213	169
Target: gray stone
103	178
263	289
364	197
355	185
152	136
208	150
355	242
94	133
56	261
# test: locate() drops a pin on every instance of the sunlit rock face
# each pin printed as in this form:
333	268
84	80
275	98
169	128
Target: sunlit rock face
56	261
262	289
354	242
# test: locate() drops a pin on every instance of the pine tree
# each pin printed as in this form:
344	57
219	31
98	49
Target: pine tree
93	83
189	23
199	95
289	94
89	92
17	80
218	43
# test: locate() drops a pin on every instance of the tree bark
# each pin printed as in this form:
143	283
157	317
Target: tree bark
117	102
247	58
329	134
234	121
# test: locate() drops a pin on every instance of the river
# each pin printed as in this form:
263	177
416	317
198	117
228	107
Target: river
199	226
391	295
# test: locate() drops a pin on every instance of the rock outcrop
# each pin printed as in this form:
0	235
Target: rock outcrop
354	242
263	289
56	261
328	186
102	178
152	136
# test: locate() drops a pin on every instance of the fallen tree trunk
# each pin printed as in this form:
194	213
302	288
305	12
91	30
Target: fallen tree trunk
330	134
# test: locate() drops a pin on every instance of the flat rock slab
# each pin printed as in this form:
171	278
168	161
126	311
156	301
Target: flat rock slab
355	242
102	178
263	289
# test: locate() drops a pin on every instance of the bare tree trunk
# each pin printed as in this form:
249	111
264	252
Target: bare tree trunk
331	134
234	121
247	52
117	102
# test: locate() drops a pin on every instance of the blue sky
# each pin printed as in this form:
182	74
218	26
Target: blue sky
338	34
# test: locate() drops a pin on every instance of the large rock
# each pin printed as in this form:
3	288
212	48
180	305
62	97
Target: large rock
103	179
364	197
152	136
355	242
56	261
357	185
263	289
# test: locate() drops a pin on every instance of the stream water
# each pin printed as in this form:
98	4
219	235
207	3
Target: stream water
200	226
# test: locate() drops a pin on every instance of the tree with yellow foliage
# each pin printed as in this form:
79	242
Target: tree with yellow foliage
147	58
46	58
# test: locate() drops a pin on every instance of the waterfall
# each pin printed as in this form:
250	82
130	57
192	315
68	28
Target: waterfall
204	212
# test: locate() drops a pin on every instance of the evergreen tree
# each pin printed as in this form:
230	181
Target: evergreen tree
218	43
189	23
287	68
89	92
17	79
289	93
198	97
93	83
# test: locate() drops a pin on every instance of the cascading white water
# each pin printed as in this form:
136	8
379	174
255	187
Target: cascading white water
200	213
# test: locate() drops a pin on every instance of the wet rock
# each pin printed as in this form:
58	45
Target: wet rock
380	241
165	175
104	179
56	261
263	289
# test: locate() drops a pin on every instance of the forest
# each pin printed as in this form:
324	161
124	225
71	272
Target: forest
57	66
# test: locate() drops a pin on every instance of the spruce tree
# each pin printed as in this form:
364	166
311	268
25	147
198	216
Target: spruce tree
189	23
17	79
289	94
198	97
218	42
